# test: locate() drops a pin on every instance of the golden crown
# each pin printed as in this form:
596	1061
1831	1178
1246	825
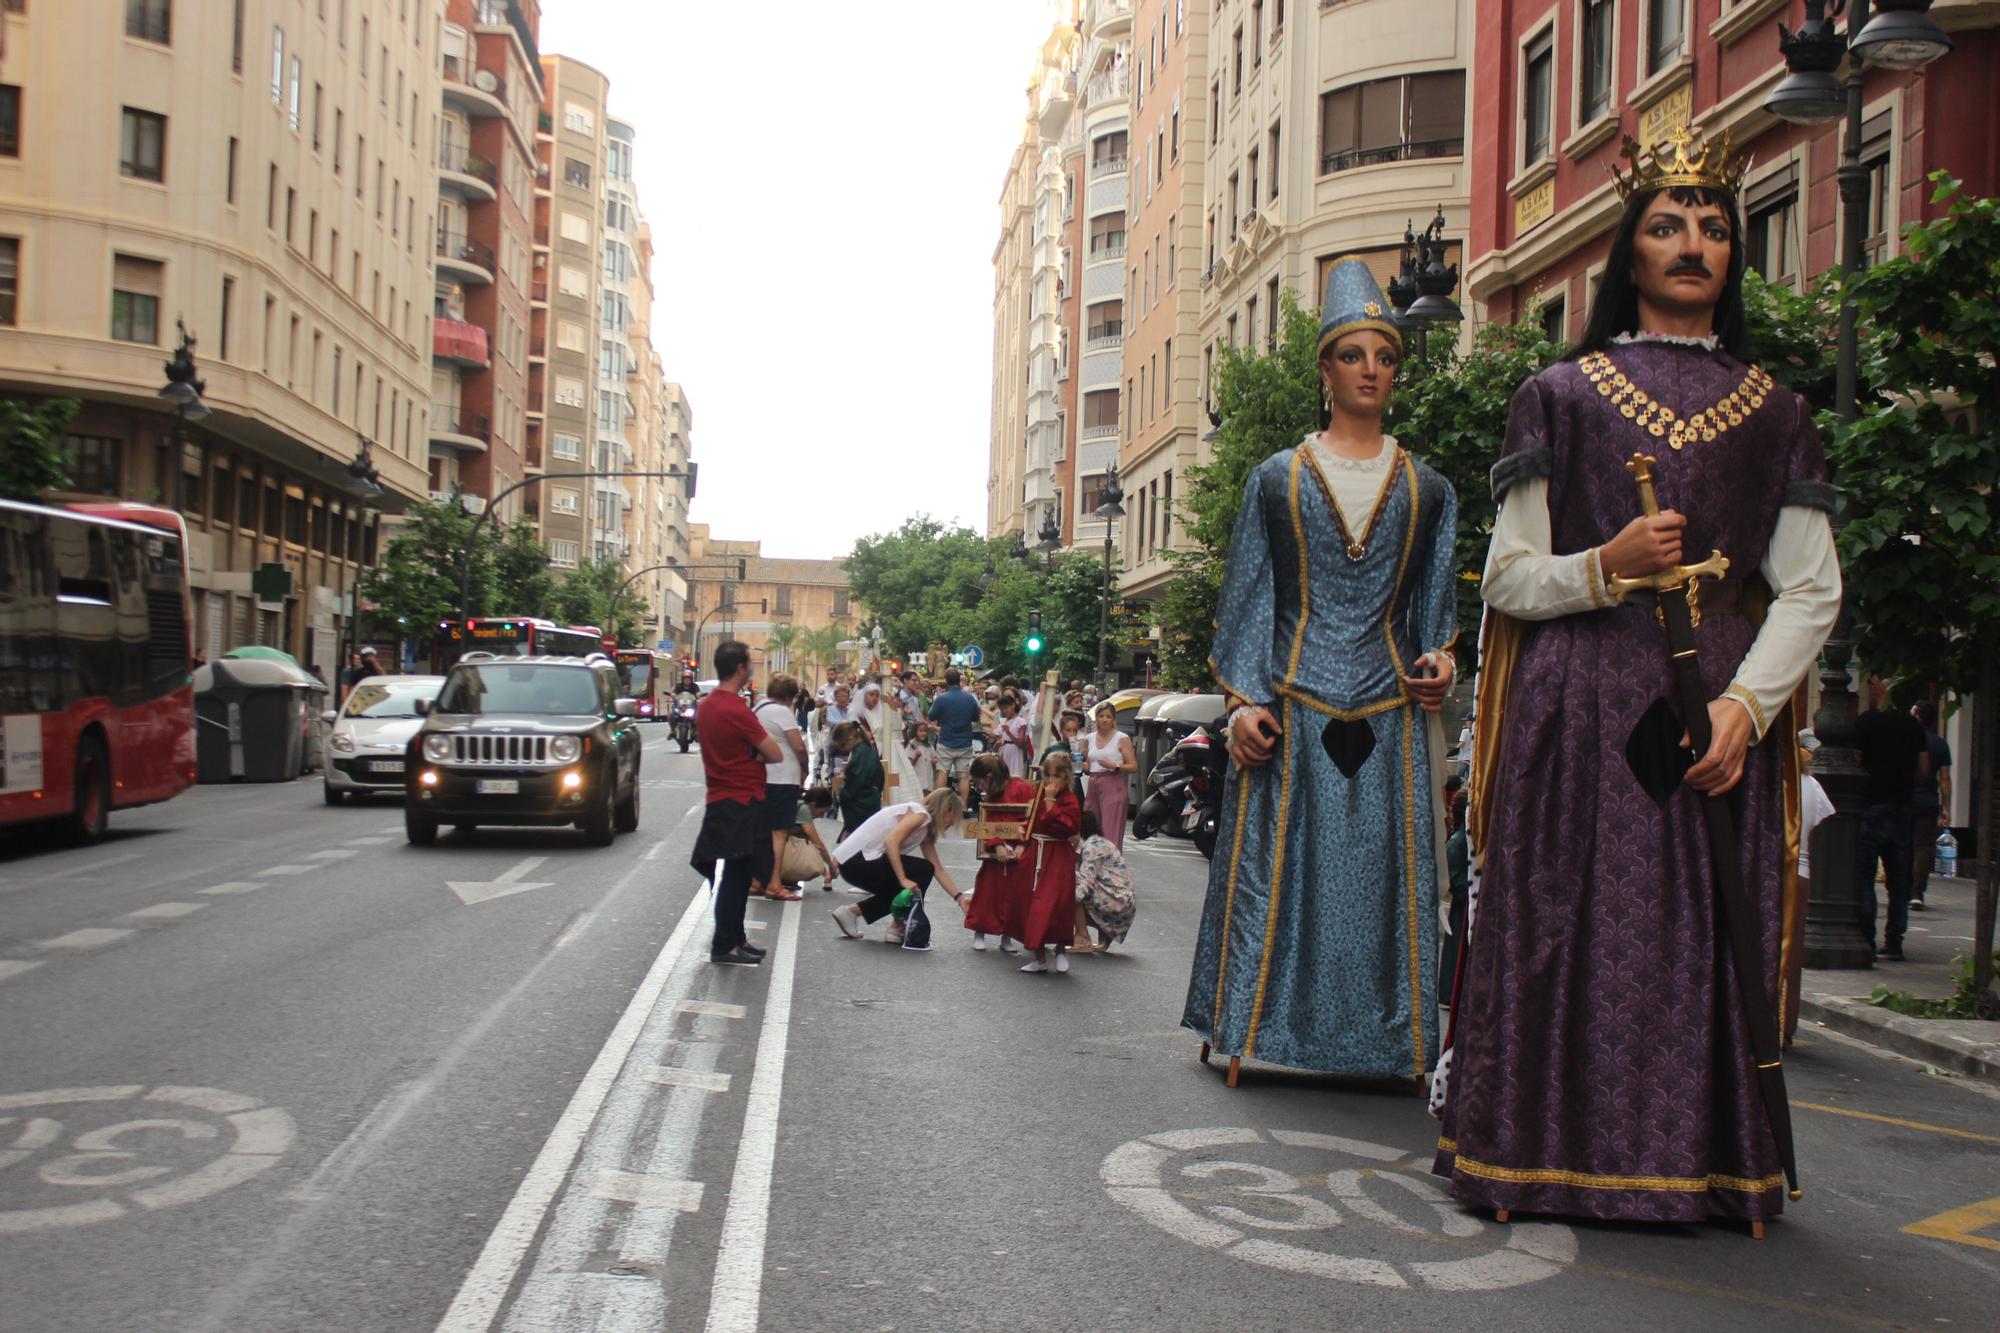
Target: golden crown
1717	164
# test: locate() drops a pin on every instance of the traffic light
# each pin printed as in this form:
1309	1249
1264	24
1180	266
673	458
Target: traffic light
1034	644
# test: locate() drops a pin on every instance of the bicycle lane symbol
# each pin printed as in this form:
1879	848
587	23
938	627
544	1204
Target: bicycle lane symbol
77	1156
1299	1190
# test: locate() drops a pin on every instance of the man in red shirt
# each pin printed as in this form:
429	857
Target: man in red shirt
734	750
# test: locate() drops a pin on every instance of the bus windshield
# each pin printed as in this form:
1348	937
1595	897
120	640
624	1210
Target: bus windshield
635	674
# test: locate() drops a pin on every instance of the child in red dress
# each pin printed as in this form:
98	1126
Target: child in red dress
1049	922
1000	890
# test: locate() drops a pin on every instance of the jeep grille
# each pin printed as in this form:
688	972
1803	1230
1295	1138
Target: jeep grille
508	751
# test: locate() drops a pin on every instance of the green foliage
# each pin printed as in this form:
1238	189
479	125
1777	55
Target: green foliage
781	647
33	457
1792	334
594	593
821	646
1965	1001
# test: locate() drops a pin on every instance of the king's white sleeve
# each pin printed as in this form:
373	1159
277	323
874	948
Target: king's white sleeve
1803	572
1522	577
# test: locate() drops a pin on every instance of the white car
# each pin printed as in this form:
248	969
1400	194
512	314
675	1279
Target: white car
370	733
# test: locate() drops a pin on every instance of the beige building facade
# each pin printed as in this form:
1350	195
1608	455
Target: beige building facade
722	604
1331	129
658	423
1013	257
1163	420
266	173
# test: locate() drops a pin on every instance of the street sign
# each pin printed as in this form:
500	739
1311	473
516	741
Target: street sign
973	656
271	583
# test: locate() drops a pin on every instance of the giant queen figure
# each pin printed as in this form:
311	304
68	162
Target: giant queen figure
1662	538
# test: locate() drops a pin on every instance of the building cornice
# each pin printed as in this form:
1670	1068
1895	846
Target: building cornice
1581	222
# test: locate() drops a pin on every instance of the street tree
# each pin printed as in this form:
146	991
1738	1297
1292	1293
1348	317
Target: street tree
596	593
780	646
922	580
33	457
821	645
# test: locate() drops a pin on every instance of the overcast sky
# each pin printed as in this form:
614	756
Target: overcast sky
823	184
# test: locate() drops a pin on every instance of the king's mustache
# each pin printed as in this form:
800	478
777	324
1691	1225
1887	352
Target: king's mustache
1694	266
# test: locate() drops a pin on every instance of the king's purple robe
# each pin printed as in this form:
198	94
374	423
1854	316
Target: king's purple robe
1600	1064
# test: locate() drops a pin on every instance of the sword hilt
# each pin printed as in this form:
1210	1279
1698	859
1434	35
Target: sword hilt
1678	576
1641	468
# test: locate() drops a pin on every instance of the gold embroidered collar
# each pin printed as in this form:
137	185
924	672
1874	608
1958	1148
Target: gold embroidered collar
1659	419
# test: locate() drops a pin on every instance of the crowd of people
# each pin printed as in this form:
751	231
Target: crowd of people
1052	879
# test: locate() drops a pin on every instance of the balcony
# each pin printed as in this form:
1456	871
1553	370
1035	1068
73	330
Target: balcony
467	260
1107	247
1348	159
459	343
467	175
538	291
463	432
1109	432
475	91
1108	334
1108	166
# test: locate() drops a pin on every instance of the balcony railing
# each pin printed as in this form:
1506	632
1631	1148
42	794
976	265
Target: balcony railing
461	71
454	245
539	289
446	419
1107	247
1098	432
1111	330
453	158
1108	166
1349	158
456	340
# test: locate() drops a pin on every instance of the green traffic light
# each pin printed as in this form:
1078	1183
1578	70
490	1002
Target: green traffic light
1034	643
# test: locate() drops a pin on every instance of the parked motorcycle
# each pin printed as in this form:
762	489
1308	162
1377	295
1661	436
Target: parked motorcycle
684	721
1184	790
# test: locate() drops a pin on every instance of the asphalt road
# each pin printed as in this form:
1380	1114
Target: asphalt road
263	1067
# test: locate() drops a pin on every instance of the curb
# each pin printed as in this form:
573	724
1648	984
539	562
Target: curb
1918	1038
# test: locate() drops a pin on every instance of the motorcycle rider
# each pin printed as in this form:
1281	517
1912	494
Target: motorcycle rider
687	694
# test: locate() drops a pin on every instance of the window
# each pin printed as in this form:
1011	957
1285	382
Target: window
840	602
278	65
339	133
236	38
1392	120
1666	33
135	298
1174	131
292	102
1552	319
1274	160
575	227
563	502
1537	100
563	554
1103	320
1271	312
576	173
1236	81
148	20
337	354
229	174
1251	198
1770	221
222	320
96	469
10	276
569	391
1215	112
568	447
319	120
271	199
1100	412
143	145
579	118
1875	160
10	120
1593	93
291	211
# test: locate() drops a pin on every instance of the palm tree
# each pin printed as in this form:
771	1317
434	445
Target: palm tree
822	645
784	638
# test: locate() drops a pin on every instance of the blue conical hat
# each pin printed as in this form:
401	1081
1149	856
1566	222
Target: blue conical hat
1353	301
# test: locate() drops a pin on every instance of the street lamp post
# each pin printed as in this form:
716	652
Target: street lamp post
183	389
1421	291
1051	538
1902	37
1111	509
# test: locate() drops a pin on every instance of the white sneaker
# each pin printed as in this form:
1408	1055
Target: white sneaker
1008	944
848	918
979	941
1062	962
1037	966
895	933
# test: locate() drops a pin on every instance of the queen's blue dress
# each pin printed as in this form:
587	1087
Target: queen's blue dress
1318	942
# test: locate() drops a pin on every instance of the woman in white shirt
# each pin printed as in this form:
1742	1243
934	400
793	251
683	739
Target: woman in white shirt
874	858
784	778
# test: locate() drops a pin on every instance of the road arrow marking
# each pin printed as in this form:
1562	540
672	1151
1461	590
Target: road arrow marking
509	881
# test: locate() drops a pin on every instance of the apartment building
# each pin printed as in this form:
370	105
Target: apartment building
1563	81
263	172
489	98
724	604
656	422
569	243
1013	262
1104	76
1160	317
1331	129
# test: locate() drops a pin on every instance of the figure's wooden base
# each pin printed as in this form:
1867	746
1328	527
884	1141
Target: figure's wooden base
1501	1215
1756	1231
1235	1063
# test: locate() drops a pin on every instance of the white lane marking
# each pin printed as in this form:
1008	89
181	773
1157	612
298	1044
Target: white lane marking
713	1008
756	925
335	854
506	882
351	1152
739	1262
707	1080
90	937
644	1191
233	886
75	872
487	1283
14	967
166	911
286	870
373	841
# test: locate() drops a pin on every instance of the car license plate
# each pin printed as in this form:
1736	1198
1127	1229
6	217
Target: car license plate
499	786
386	766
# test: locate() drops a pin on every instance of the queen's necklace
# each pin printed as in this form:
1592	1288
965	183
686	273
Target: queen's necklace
1659	419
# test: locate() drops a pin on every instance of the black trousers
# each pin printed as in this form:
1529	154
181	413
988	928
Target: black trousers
1925	825
729	834
1885	837
879	878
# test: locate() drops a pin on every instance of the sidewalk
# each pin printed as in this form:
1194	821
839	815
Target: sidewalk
1839	1000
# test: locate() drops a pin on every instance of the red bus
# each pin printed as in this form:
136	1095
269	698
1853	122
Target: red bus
512	636
96	680
649	676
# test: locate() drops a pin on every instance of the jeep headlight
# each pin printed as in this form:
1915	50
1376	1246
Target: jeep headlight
342	742
437	748
565	749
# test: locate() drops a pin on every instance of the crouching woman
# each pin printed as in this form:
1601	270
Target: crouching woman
895	849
